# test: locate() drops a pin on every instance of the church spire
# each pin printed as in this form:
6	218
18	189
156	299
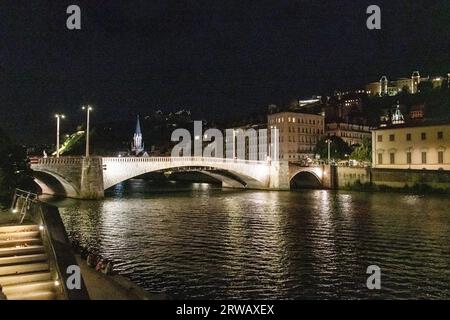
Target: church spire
137	146
138	126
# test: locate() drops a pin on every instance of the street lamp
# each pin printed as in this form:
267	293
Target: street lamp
328	141
88	109
58	117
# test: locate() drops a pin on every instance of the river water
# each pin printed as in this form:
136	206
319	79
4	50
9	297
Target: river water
198	241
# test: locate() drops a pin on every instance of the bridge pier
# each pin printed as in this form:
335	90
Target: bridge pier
279	175
91	184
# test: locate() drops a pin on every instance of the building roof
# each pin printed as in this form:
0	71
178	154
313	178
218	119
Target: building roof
417	123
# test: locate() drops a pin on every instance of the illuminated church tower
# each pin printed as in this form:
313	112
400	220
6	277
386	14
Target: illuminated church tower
397	117
137	146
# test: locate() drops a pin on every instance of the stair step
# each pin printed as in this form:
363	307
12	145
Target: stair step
38	295
19	235
19	242
24	278
23	259
23	268
5	252
24	288
19	228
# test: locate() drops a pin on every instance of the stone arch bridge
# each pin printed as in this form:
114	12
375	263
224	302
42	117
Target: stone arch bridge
87	178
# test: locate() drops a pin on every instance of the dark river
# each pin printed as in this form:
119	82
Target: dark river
197	241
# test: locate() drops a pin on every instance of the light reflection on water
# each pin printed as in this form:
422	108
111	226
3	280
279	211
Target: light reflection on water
199	241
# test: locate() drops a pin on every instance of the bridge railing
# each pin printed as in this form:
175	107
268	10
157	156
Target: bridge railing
79	160
181	159
57	161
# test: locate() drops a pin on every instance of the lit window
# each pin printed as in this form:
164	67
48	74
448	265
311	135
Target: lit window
424	157
408	157
441	157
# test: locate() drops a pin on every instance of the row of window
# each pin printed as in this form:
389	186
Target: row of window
305	139
409	158
305	130
423	136
297	120
302	139
351	135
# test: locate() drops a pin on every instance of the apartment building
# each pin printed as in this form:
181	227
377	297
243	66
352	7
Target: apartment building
298	133
352	134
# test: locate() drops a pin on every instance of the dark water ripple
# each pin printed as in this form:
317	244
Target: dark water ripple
202	242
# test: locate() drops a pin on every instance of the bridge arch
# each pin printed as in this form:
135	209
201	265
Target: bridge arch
53	184
228	177
306	179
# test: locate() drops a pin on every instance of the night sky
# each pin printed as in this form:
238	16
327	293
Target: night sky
217	58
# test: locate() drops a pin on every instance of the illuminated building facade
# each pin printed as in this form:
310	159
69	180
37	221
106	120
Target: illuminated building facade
412	146
298	134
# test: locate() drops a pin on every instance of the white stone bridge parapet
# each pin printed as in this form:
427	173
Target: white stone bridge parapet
87	178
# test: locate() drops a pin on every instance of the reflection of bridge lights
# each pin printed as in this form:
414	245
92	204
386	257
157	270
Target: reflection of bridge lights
197	137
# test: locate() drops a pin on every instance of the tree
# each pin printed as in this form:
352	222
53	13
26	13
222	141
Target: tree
363	152
339	149
14	169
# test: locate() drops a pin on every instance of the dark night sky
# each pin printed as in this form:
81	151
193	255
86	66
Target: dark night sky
217	58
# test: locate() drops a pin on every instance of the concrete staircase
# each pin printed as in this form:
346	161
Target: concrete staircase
24	266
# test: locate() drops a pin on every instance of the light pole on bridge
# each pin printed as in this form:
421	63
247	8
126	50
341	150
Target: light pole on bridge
58	118
88	109
328	141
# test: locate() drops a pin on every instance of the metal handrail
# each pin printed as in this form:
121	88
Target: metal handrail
28	198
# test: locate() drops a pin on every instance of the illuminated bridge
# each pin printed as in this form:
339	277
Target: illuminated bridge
87	178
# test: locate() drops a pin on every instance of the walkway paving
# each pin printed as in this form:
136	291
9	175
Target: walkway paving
114	287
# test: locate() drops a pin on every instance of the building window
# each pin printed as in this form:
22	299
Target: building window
391	137
440	157
408	137
392	158
423	136
424	157
380	138
408	157
380	158
440	135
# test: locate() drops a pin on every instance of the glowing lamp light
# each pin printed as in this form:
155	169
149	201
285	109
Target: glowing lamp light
15	211
41	227
56	283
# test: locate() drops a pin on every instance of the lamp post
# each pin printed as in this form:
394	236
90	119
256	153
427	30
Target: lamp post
58	117
328	141
88	109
